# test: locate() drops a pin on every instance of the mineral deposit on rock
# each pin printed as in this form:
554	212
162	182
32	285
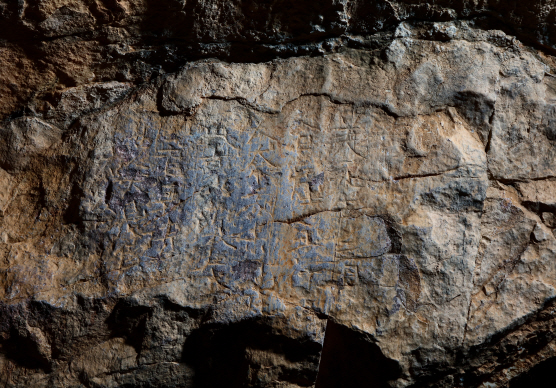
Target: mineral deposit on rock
347	193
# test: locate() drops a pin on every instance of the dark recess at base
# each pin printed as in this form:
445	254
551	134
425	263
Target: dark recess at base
220	355
540	376
351	360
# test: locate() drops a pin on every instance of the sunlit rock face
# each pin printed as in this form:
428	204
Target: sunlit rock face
333	198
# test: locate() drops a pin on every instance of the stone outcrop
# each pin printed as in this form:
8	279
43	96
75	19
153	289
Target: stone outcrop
277	194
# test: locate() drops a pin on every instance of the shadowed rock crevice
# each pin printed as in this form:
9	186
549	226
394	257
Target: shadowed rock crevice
527	344
130	322
249	353
541	375
352	359
24	350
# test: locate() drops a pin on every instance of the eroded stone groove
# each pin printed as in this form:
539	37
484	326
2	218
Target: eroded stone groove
276	194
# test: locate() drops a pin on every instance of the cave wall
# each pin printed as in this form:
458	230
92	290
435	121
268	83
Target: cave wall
277	194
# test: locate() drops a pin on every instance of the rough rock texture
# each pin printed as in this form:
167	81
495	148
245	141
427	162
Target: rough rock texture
277	194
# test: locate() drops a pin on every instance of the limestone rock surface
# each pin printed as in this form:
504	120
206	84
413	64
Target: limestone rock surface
276	194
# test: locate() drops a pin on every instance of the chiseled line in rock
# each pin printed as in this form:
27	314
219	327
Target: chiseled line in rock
465	329
334	256
322	350
409	176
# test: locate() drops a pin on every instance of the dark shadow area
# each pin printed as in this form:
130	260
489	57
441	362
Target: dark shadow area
25	351
539	208
38	335
351	360
232	355
540	376
71	214
129	321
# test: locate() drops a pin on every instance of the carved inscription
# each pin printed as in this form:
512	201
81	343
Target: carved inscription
250	199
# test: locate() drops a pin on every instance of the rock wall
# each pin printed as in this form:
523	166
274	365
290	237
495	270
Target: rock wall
277	194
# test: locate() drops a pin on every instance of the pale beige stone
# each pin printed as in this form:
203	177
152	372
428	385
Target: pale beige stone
543	192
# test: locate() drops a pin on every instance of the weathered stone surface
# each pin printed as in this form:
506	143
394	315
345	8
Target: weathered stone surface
356	184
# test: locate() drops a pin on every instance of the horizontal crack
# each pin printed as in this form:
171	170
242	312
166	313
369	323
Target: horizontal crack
306	215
